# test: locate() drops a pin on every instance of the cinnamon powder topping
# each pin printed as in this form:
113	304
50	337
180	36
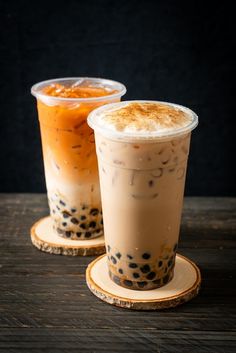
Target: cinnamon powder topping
147	116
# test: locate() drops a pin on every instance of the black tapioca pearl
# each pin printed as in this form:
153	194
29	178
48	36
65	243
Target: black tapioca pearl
160	263
136	275
65	214
101	222
142	284
58	207
113	259
128	283
165	279
64	224
83	217
118	255
73	210
129	257
98	230
121	271
133	265
157	281
175	247
116	279
92	224
83	225
145	268
146	256
94	211
62	203
108	248
88	234
83	207
150	183
68	233
170	262
78	234
151	275
74	220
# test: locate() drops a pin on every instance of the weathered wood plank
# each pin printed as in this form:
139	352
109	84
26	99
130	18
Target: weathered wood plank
45	305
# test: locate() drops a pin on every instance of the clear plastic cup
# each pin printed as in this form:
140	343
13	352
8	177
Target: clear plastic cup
142	177
69	154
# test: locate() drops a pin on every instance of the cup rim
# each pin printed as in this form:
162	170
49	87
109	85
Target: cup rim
36	89
144	136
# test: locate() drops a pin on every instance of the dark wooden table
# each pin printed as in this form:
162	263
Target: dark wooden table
45	305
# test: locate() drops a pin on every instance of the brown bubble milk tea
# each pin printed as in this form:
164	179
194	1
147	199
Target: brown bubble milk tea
142	149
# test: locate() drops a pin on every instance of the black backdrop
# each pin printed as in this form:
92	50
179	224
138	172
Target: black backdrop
167	50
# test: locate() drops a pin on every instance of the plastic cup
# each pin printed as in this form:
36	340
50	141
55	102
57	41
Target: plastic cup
142	179
70	161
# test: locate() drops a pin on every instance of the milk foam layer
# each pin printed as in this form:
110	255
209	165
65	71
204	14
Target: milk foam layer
142	119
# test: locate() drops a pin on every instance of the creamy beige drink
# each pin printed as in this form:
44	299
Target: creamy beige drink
142	149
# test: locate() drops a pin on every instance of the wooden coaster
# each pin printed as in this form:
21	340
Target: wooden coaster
183	287
45	239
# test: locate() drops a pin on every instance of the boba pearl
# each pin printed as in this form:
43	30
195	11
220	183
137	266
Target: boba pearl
116	279
88	234
118	255
142	284
121	271
82	218
130	257
128	283
160	263
62	203
83	225
92	224
157	281
68	234
146	256
74	220
78	234
73	210
94	212
145	268
151	275
133	265
65	214
113	259
165	279
136	275
64	224
170	263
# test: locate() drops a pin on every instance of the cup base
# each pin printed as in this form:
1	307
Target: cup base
184	286
142	285
45	239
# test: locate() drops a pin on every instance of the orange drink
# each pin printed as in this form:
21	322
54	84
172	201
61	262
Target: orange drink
69	151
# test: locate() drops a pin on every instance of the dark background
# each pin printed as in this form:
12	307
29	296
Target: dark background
167	50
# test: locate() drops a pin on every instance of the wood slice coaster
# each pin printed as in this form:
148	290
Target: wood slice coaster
183	287
45	239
